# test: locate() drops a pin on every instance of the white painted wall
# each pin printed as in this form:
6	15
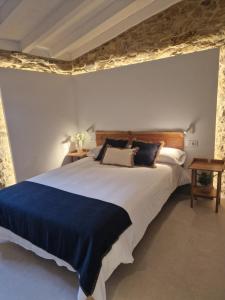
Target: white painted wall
164	94
40	114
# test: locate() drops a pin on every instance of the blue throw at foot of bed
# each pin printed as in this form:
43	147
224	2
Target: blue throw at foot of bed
77	229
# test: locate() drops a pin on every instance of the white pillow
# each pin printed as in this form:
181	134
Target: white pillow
94	152
171	156
119	157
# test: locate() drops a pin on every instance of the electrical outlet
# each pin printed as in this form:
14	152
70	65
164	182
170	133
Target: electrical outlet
191	143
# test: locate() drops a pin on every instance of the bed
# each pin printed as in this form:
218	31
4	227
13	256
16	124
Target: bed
141	192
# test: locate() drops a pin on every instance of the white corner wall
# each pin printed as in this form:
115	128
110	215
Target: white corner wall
165	94
40	114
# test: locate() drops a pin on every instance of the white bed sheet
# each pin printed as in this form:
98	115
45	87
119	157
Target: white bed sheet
141	191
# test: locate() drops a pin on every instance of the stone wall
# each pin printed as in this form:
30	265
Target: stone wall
220	120
6	165
22	61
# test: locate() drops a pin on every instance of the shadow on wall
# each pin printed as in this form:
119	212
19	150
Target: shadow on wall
68	145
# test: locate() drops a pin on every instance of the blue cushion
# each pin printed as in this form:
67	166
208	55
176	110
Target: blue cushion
146	154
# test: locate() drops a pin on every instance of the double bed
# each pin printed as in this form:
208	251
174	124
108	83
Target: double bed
140	192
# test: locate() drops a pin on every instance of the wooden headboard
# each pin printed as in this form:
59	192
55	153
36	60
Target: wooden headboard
173	139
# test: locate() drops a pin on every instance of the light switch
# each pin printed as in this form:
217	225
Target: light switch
191	143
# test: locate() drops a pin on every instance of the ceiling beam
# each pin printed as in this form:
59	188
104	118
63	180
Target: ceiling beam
102	21
134	13
66	14
85	45
7	8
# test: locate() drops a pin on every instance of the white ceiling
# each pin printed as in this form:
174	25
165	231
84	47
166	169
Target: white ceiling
66	29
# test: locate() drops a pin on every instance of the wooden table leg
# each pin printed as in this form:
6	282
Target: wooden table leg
193	181
220	179
218	192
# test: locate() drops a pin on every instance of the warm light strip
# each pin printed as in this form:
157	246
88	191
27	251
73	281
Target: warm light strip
220	114
7	174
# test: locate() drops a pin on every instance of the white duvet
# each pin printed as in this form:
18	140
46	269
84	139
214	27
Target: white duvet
141	191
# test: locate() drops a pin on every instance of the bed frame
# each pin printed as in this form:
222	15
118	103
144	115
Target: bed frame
173	139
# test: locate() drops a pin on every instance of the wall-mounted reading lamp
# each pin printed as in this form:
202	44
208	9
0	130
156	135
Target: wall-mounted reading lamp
190	129
91	129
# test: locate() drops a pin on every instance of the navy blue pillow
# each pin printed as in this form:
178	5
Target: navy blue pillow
113	143
146	154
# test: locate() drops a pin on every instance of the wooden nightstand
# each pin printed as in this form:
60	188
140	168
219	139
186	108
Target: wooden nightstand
76	155
208	165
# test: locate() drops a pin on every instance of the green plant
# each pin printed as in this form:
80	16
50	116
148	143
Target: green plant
205	178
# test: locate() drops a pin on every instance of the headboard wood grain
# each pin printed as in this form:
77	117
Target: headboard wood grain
173	139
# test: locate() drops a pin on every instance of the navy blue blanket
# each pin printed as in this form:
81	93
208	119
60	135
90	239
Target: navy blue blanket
77	229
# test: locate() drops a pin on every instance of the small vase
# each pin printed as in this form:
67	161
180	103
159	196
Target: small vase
80	146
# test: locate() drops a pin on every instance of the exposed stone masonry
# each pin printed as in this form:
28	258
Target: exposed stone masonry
22	61
6	166
220	120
